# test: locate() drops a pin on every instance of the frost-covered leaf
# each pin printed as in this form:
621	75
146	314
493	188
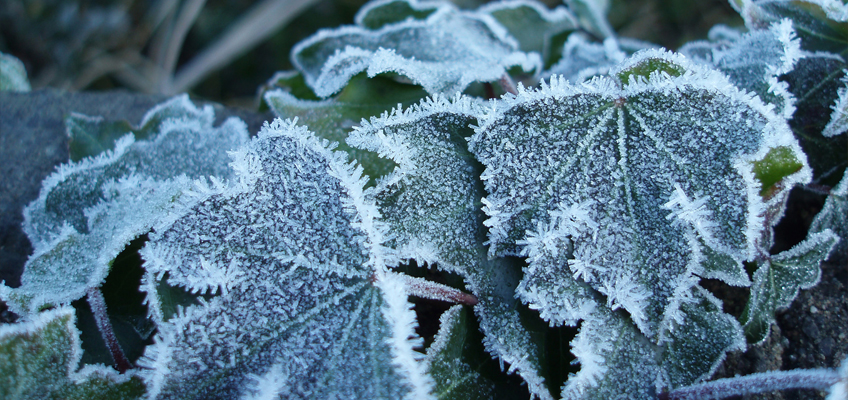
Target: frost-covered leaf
834	216
88	211
815	82
431	202
822	24
619	362
532	24
333	119
650	180
778	279
583	59
839	118
453	377
377	14
13	76
754	61
592	14
444	53
305	302
39	360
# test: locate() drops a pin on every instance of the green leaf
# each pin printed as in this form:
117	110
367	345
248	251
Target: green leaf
334	118
431	201
834	217
592	14
13	76
822	24
454	378
291	82
39	359
378	14
532	24
778	280
644	180
452	49
104	202
779	163
306	306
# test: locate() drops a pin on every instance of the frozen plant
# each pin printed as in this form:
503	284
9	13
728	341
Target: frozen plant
594	195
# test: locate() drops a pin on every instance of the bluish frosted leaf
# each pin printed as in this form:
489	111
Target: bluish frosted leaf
431	202
106	201
618	362
815	82
754	61
661	168
13	75
583	59
778	280
532	24
839	118
592	14
822	24
454	378
377	14
834	216
443	53
39	359
333	119
306	304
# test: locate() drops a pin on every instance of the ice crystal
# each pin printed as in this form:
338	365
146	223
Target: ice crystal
834	217
444	52
295	251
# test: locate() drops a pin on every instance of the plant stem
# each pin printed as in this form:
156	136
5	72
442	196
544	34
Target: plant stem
816	379
507	84
425	289
98	308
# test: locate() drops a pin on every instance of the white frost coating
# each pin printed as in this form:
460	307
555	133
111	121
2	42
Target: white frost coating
531	23
834	216
13	75
271	385
838	123
404	340
444	53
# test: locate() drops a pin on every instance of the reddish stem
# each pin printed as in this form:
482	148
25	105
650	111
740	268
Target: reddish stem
507	84
98	308
423	288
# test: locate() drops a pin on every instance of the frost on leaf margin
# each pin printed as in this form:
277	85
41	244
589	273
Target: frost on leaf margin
834	216
583	59
295	251
106	201
754	61
444	53
656	225
839	118
431	202
617	361
778	279
821	23
39	358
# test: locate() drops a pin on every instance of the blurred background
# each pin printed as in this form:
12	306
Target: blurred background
224	50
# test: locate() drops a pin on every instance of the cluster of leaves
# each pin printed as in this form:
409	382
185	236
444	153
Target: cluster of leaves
598	199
